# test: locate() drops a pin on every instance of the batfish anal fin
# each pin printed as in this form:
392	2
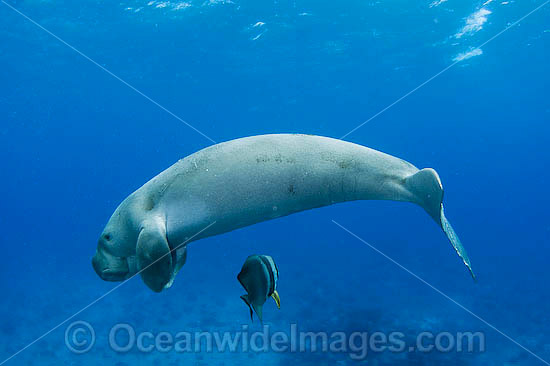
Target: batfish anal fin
246	301
275	296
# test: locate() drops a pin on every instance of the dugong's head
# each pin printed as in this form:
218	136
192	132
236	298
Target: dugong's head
134	241
114	259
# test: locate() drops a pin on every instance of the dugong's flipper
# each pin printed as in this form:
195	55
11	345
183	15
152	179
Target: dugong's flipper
427	190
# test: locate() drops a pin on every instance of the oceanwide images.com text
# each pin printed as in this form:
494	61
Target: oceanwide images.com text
80	337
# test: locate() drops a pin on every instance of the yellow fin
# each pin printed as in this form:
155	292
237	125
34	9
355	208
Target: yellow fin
275	296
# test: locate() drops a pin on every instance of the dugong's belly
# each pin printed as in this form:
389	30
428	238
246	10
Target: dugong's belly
249	180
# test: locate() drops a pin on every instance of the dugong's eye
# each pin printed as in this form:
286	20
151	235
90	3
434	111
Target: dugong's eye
107	237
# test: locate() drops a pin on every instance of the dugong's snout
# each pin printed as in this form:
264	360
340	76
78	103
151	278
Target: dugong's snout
109	267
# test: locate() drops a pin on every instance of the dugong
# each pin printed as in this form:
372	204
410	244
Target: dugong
249	180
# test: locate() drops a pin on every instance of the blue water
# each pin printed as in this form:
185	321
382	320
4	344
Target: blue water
75	141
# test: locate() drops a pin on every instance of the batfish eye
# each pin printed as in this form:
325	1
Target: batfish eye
107	237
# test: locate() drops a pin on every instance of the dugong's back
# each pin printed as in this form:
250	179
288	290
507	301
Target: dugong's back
253	179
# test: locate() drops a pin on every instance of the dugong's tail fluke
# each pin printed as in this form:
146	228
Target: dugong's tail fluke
455	241
427	190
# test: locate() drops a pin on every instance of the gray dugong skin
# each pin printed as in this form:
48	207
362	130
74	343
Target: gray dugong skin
249	180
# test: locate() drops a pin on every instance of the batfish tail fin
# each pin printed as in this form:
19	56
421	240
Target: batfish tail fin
427	190
259	309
